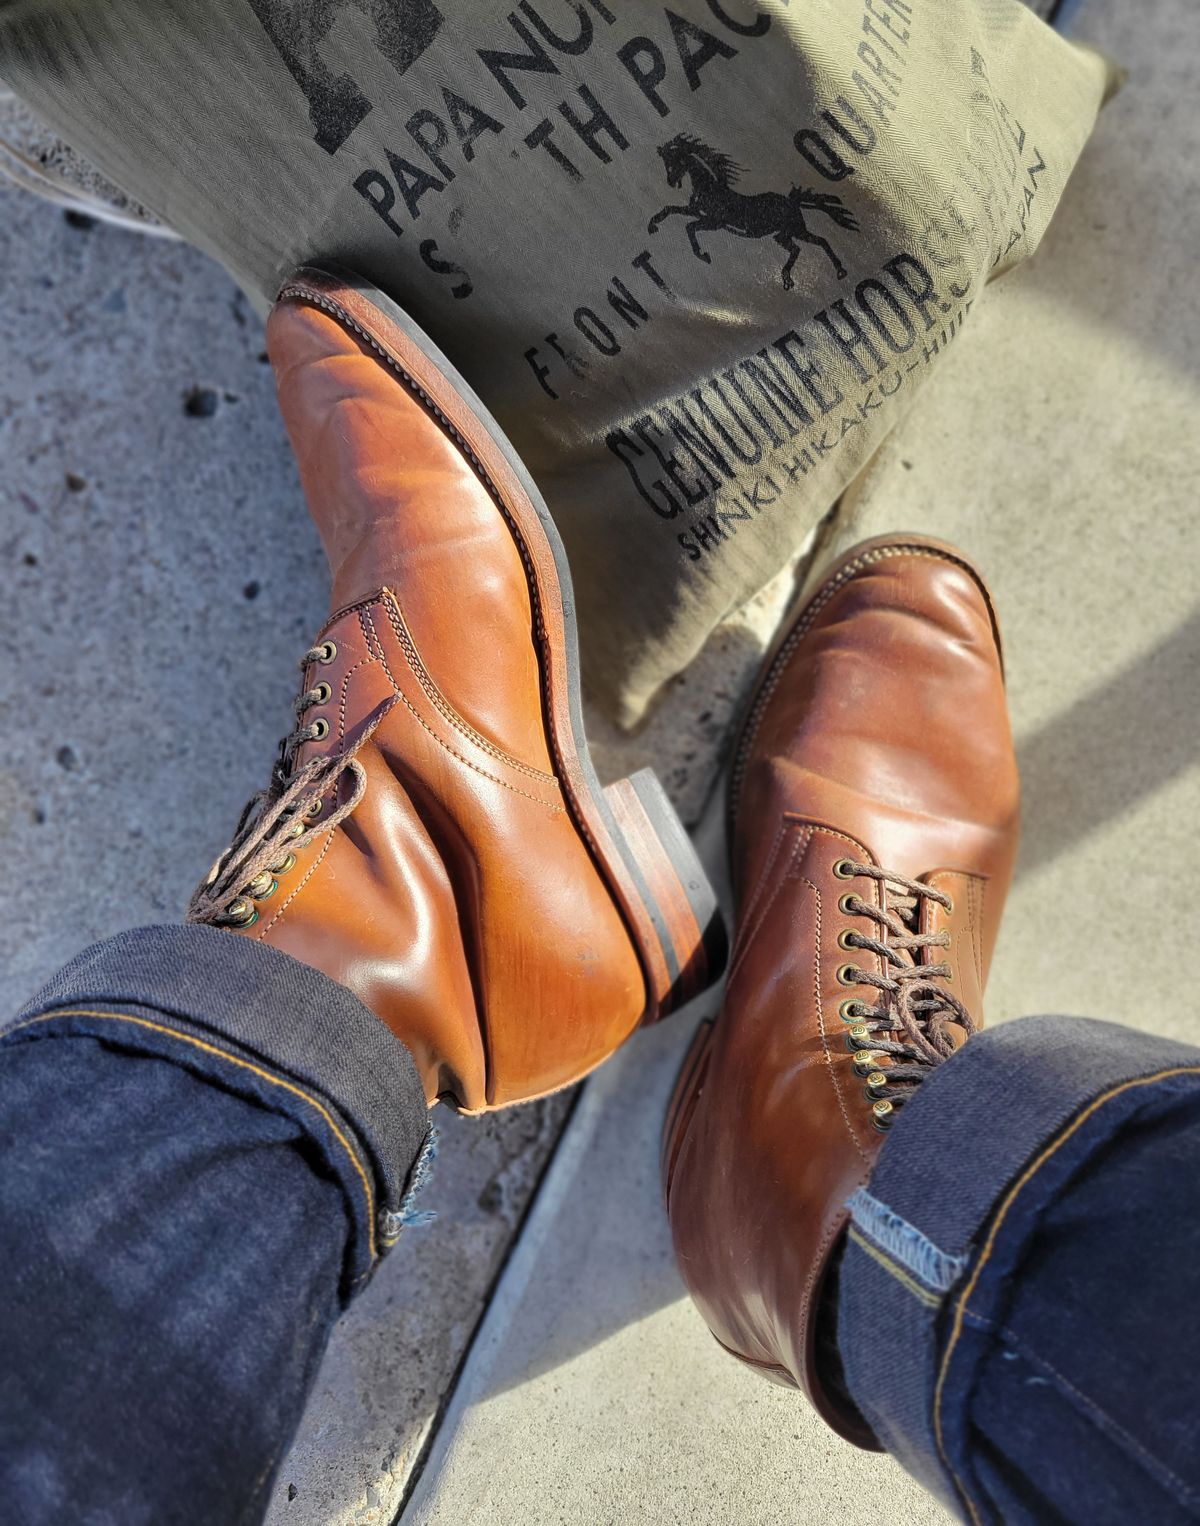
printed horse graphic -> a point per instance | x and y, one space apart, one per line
715 205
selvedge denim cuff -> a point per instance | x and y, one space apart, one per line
260 1024
989 1140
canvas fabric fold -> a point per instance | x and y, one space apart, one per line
698 258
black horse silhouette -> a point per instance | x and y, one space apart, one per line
716 206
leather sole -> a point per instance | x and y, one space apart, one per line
635 838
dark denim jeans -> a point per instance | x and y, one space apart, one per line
206 1148
209 1146
1016 1306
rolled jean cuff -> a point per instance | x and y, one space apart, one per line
991 1139
260 1024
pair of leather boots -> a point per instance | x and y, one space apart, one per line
434 837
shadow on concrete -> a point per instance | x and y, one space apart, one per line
1114 747
1115 246
595 1256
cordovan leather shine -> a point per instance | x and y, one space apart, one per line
468 899
879 733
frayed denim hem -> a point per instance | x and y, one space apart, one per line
936 1269
407 1216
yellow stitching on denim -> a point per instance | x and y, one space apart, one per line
142 1022
990 1244
931 1300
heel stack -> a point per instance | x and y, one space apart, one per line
684 947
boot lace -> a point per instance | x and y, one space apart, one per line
279 820
906 1031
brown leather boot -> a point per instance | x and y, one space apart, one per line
433 835
873 831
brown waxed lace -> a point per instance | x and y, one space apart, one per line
914 1001
273 823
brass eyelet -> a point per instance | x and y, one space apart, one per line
297 829
876 1082
848 975
320 729
322 693
328 652
315 808
844 869
850 1011
288 863
866 1061
859 1034
241 913
882 1114
949 906
263 886
845 907
844 937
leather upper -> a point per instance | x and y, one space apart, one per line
399 505
458 900
880 734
